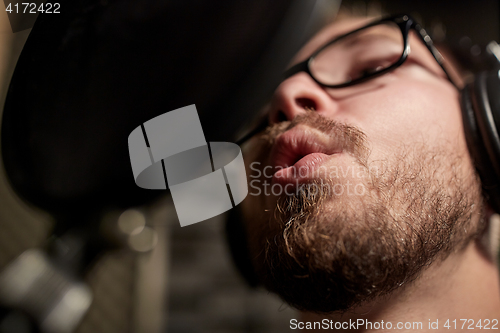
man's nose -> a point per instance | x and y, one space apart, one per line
296 95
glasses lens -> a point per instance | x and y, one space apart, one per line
359 55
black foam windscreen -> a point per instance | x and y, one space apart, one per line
88 76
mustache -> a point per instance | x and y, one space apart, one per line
348 138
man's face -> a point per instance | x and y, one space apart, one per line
364 186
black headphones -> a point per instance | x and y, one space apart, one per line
480 104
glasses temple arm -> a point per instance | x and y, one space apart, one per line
259 128
426 39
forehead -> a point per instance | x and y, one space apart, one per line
329 32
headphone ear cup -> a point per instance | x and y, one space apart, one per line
480 103
238 246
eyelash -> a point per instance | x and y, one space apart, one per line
369 68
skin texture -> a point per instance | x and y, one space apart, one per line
391 250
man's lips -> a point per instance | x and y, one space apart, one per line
299 151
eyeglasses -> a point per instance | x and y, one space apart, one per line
361 55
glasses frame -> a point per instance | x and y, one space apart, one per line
405 23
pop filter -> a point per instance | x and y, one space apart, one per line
91 74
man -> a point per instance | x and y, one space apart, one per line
363 200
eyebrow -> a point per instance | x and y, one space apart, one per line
358 38
369 39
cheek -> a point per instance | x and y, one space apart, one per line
406 113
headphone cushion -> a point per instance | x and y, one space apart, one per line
480 104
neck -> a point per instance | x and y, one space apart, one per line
464 286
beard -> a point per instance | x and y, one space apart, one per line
323 252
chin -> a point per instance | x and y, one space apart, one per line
340 242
